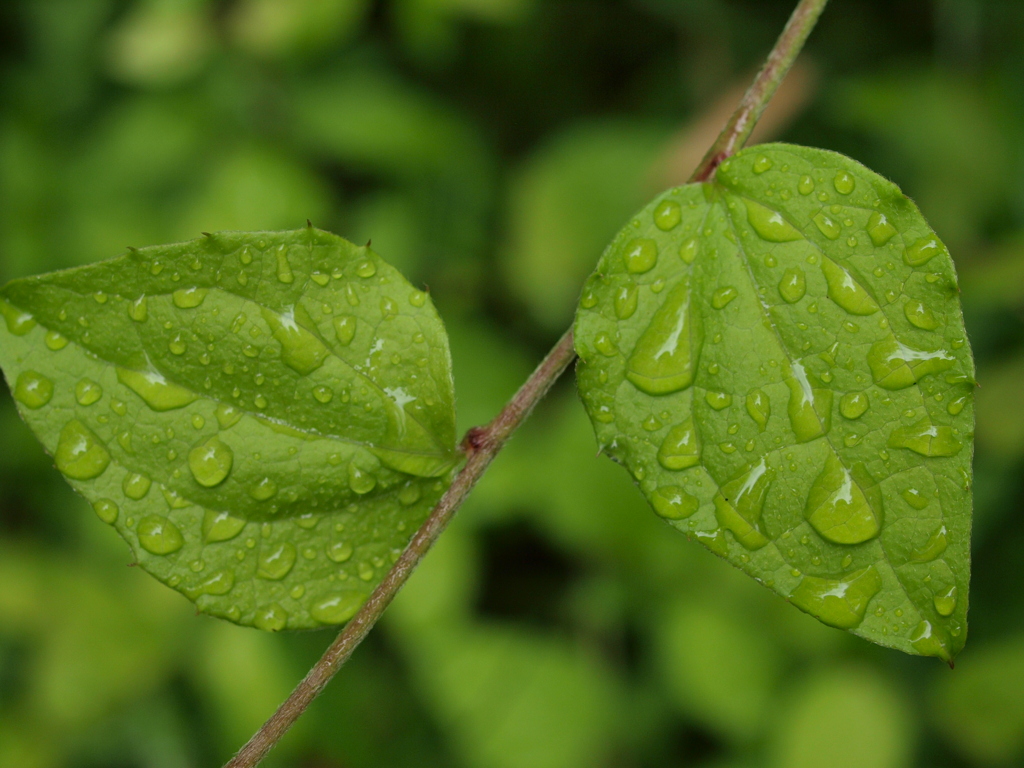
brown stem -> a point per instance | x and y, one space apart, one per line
481 445
741 124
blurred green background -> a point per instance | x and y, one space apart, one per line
490 148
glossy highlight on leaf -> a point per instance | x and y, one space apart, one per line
804 399
265 417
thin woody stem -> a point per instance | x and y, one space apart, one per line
482 444
736 132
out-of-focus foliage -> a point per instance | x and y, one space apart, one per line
559 623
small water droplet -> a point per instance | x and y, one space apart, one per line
264 489
853 405
159 536
18 323
220 526
806 185
360 480
927 642
300 349
337 608
722 296
673 503
843 182
718 400
388 307
945 603
227 415
270 618
769 224
680 448
879 229
158 393
919 315
33 390
284 269
759 408
809 409
323 394
80 455
922 250
54 341
188 298
845 291
640 255
106 510
210 462
136 486
667 215
366 269
688 250
339 551
626 300
793 285
827 226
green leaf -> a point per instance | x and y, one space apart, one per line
265 417
779 359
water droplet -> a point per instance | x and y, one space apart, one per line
641 254
220 526
339 552
136 486
626 300
323 394
54 341
853 405
845 291
33 390
806 185
680 449
841 602
827 226
366 572
106 510
759 408
270 618
673 503
410 494
159 536
769 224
217 583
18 323
718 400
722 296
227 415
810 409
842 507
667 215
276 561
264 489
739 503
793 285
688 250
210 462
879 229
151 386
927 642
956 405
300 350
80 454
945 603
366 269
88 392
762 164
388 307
320 278
603 343
922 251
664 359
188 298
284 269
926 439
919 315
895 365
338 608
843 182
359 480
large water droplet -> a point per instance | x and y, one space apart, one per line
838 504
810 409
270 618
927 641
340 552
879 229
718 400
688 250
673 503
759 407
264 489
276 561
926 439
88 392
300 350
793 285
945 603
769 224
739 503
33 390
853 405
806 185
841 602
217 583
138 310
843 182
345 329
895 365
845 291
284 269
159 536
667 215
681 448
227 415
337 608
18 323
934 547
919 315
159 394
922 251
641 255
956 405
220 526
188 298
80 454
55 341
722 296
626 300
210 462
136 485
665 358
828 226
761 164
106 510
359 480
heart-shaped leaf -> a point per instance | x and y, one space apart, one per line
265 417
779 358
